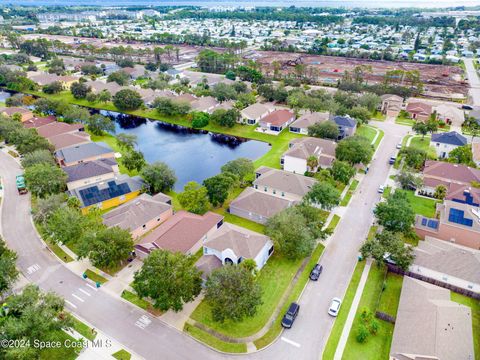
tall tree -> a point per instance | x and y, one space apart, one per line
354 150
98 124
232 293
127 99
133 160
194 198
159 177
218 187
8 269
396 214
324 194
45 179
179 283
242 167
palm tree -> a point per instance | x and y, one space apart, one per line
312 163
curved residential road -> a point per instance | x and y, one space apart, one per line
120 320
116 318
473 80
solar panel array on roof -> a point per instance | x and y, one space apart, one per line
94 195
458 217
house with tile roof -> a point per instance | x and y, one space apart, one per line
140 215
36 122
298 157
63 141
276 121
419 110
429 325
183 232
444 142
90 172
301 125
391 105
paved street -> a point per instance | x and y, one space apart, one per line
474 81
150 337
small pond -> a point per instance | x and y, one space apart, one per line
195 155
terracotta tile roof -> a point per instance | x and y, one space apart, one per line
9 111
181 232
448 172
278 117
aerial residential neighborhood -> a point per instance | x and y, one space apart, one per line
209 180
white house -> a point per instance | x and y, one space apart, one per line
297 158
254 113
232 244
446 142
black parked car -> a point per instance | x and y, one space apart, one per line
290 316
467 107
316 271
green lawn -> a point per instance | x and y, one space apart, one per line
248 224
83 329
349 194
391 294
141 303
333 223
276 328
379 139
57 250
422 206
387 191
475 305
111 141
122 355
62 353
337 329
367 132
274 279
376 347
214 341
379 116
95 277
420 143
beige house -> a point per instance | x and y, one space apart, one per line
252 114
26 114
391 105
141 214
301 125
450 114
90 172
297 158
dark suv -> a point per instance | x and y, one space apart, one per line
316 271
290 316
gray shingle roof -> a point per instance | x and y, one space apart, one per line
450 138
89 169
83 151
284 181
429 324
258 202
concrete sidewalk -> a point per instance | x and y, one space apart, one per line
123 278
353 310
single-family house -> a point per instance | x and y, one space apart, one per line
84 152
429 325
183 232
301 125
205 104
444 142
107 194
258 206
36 122
63 141
282 184
447 174
391 105
346 126
456 222
57 128
443 262
10 111
99 86
450 114
90 172
141 214
277 120
476 153
308 154
232 244
419 110
252 114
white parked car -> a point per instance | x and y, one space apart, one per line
399 146
334 307
381 189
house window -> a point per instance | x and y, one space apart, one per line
256 186
265 188
270 251
438 144
158 219
294 129
283 193
274 191
240 259
251 121
219 223
144 226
